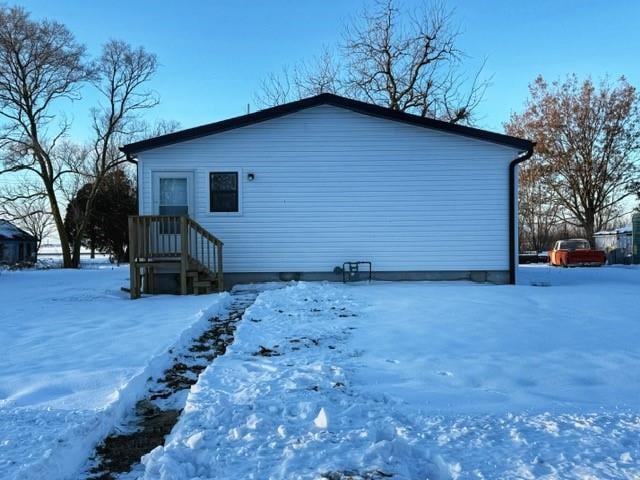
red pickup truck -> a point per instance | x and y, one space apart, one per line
575 253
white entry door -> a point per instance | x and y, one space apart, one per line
172 195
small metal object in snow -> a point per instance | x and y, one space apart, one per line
351 271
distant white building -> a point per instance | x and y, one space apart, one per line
617 243
303 187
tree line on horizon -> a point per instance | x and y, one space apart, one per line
582 174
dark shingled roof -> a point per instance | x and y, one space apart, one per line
325 99
9 232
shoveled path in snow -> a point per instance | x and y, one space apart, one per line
282 402
154 415
75 352
420 380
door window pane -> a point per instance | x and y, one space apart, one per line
173 191
174 197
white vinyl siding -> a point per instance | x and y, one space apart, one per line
332 185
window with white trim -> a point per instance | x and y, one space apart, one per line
223 192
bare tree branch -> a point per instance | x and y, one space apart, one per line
41 64
406 61
122 74
26 205
588 146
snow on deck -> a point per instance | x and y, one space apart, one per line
75 354
423 380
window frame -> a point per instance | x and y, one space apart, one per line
222 169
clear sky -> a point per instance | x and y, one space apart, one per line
213 54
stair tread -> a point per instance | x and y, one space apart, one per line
202 276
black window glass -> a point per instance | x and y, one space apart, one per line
223 187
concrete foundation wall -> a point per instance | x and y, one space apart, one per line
493 276
169 282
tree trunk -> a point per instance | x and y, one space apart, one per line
590 228
62 231
77 245
122 256
83 224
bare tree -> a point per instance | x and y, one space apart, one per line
320 75
41 64
25 205
122 73
410 62
160 127
308 78
538 212
276 89
588 141
405 61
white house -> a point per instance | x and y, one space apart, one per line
295 190
617 243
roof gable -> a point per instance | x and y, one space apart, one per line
325 99
9 232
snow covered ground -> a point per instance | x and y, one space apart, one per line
423 380
75 352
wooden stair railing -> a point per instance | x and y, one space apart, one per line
165 240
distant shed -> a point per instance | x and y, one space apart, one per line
16 245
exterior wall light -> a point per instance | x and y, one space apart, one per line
251 177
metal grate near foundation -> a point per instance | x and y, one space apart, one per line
356 271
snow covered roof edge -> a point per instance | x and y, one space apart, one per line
8 231
617 231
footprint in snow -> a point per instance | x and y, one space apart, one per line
392 361
445 373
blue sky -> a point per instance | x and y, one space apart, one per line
214 54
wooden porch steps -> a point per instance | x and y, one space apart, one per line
173 244
204 286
